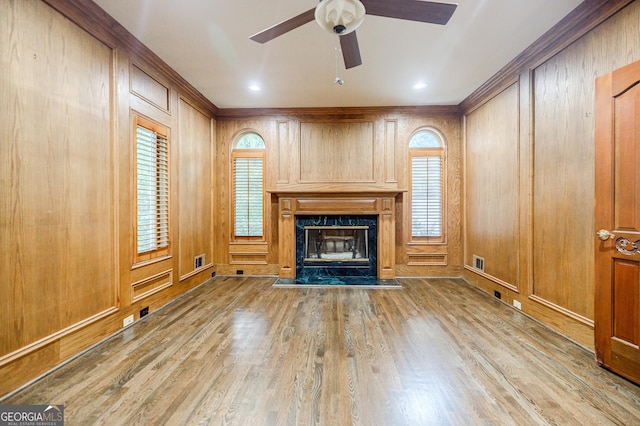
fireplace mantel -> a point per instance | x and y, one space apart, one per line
346 202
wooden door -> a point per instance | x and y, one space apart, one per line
617 222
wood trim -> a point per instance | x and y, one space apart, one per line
157 277
342 190
604 213
166 108
348 113
564 311
512 83
25 350
148 262
579 22
336 205
390 144
427 259
196 271
243 258
164 131
93 19
493 279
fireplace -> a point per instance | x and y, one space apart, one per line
336 246
341 213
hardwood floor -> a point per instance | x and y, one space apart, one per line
238 351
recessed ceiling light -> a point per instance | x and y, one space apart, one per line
254 88
420 85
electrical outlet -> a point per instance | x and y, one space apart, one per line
239 272
517 304
497 294
213 274
144 311
127 321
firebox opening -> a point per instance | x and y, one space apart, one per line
331 244
336 246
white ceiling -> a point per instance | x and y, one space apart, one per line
207 42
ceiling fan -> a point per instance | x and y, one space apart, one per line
342 17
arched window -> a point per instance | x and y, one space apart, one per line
426 154
247 158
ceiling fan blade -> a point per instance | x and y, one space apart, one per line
412 10
284 27
350 50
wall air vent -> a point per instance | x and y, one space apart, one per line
478 262
198 261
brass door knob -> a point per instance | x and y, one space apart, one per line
605 235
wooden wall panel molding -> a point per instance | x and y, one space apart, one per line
248 254
427 259
247 258
390 143
492 187
348 113
102 26
337 152
151 285
284 151
150 89
563 157
345 205
195 182
59 226
54 337
584 320
493 279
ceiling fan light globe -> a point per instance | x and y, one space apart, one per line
347 14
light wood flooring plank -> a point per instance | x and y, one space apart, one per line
237 351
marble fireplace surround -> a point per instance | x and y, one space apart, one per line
380 204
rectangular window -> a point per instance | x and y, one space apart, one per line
152 190
248 196
426 197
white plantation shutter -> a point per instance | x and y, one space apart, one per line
248 197
426 196
152 178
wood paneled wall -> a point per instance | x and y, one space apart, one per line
57 191
195 188
71 86
536 230
492 134
337 152
345 150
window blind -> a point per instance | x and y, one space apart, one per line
248 197
152 177
426 196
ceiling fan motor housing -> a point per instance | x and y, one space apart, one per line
340 16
